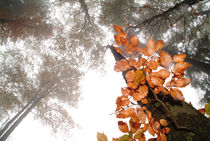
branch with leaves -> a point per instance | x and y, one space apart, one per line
150 74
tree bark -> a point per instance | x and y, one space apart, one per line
186 123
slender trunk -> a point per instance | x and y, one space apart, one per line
20 118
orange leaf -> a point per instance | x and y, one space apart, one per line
130 76
132 85
166 130
163 122
150 46
132 62
126 113
149 114
126 91
121 65
151 131
176 94
134 125
165 59
118 28
179 58
179 68
141 116
144 101
182 82
148 78
123 127
140 93
163 73
120 39
163 137
141 62
134 41
156 126
122 101
153 64
159 45
157 81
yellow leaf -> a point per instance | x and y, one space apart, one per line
101 137
207 108
139 76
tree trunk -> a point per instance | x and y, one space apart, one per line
186 123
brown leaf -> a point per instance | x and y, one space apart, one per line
118 28
134 125
120 39
148 78
179 58
157 81
141 116
165 59
166 130
130 76
132 62
153 64
123 127
179 68
163 122
202 111
121 65
176 94
141 62
140 93
126 92
132 85
163 73
134 41
163 137
159 45
182 82
126 113
144 101
151 131
122 101
150 46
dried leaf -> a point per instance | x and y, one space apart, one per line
134 125
120 39
163 137
157 81
176 94
166 130
134 41
118 28
163 73
144 101
150 46
148 78
140 93
159 45
165 59
126 113
132 85
130 76
202 111
122 101
123 127
151 131
141 62
121 65
101 137
179 58
179 68
132 62
163 122
182 82
141 116
126 92
153 64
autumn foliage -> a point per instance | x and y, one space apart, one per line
149 71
